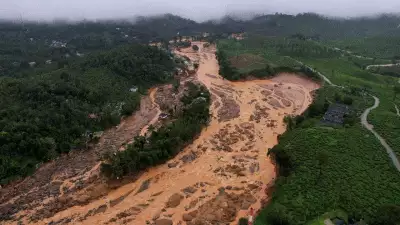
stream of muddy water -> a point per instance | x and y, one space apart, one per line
224 172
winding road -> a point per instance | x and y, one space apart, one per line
319 73
364 117
382 65
397 109
370 127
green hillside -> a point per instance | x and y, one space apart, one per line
48 113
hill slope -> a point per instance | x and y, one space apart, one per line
49 113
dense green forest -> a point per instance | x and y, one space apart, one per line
27 42
166 141
59 42
50 113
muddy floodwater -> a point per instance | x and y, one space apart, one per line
224 172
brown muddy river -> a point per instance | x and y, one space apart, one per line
224 172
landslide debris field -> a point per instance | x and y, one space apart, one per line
218 177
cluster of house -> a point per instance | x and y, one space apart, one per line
335 114
124 35
238 36
205 34
47 62
58 44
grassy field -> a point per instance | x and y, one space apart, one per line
271 50
355 173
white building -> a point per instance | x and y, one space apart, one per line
58 44
133 89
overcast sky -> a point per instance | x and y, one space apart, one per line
197 10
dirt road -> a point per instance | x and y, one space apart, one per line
152 93
382 65
326 79
370 127
223 173
397 110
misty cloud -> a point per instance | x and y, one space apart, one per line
197 10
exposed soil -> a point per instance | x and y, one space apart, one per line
217 178
247 60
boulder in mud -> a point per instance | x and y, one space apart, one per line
189 190
100 209
245 205
252 186
145 185
193 203
157 194
163 222
172 165
193 213
189 157
174 200
186 217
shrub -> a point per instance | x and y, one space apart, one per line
348 100
387 215
243 221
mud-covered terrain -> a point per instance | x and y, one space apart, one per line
217 178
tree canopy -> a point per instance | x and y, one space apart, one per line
51 113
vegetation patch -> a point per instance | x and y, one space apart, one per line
263 57
245 61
